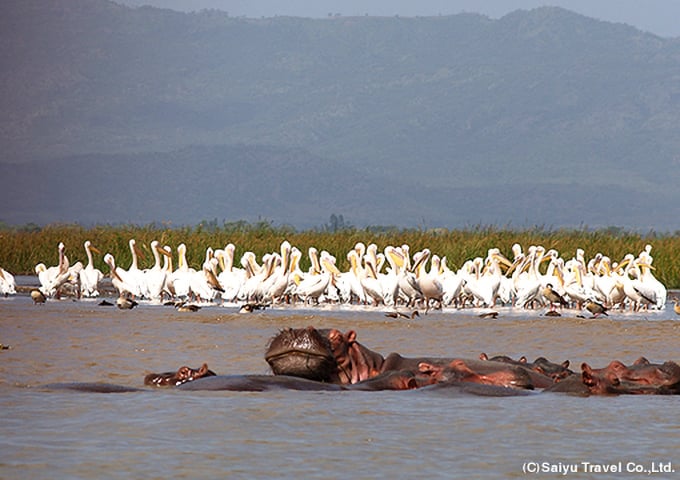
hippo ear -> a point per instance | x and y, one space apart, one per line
203 370
587 375
483 356
641 361
565 364
351 336
523 359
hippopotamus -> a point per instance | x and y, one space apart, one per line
302 352
324 355
182 375
548 372
487 373
642 377
262 383
334 357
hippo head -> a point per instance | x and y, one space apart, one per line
642 377
488 373
325 355
301 352
556 371
182 375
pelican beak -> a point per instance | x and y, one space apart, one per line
163 251
502 259
330 267
95 249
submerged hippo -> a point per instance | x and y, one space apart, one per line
543 372
642 377
183 375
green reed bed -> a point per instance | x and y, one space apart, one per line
22 248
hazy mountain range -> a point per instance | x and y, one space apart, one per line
544 117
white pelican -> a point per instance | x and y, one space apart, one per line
204 284
56 277
428 281
154 277
528 284
253 285
8 285
313 286
368 277
231 279
278 280
181 277
134 276
90 276
120 277
452 283
48 275
637 292
649 280
348 283
409 289
169 285
390 280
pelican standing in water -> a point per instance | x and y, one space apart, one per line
89 275
8 285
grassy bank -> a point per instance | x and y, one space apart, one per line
22 248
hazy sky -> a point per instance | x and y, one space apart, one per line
661 17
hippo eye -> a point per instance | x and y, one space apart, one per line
615 381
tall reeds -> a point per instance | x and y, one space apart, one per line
21 249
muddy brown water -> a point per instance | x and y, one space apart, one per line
177 434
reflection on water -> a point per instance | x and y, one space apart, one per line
162 434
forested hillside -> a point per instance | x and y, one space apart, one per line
543 117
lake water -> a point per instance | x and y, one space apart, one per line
286 434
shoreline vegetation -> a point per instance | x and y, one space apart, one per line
23 247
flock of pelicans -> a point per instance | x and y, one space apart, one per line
535 278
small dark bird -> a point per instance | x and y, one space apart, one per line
125 303
187 307
553 297
553 313
396 314
596 308
676 307
38 296
493 314
251 307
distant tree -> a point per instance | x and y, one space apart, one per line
337 223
